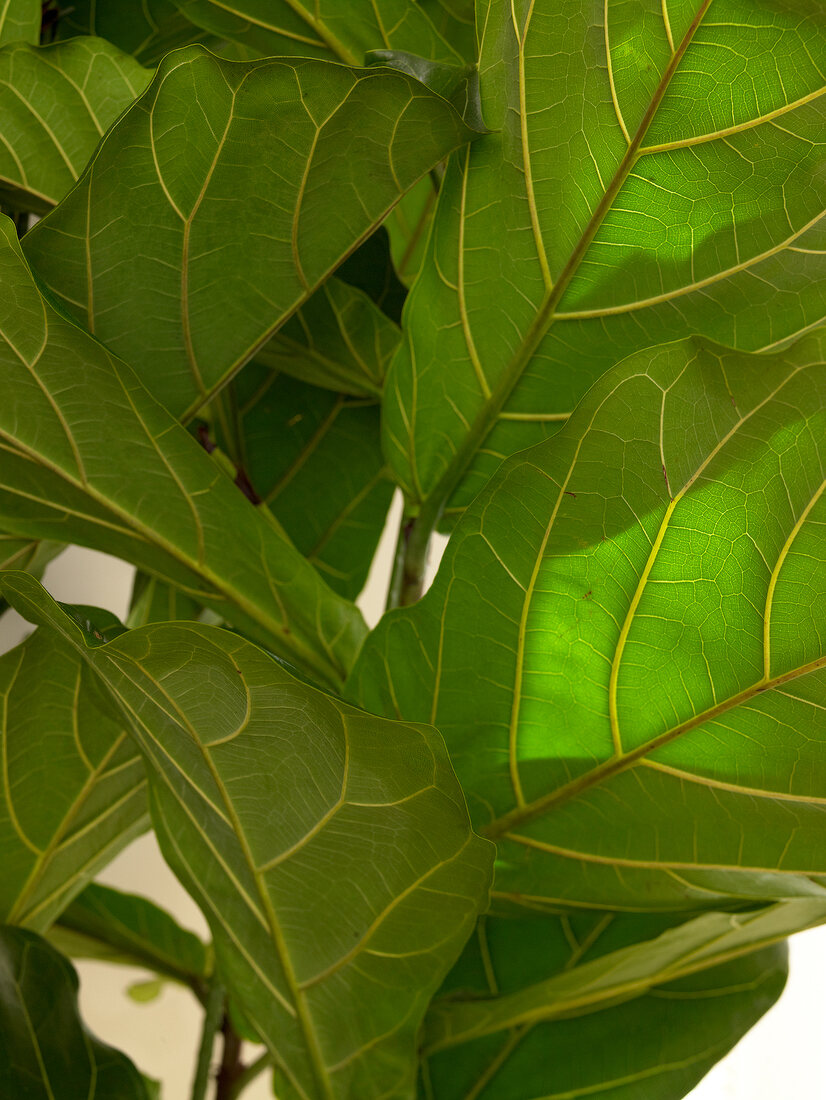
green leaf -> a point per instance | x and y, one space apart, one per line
215 245
339 340
45 1051
657 1045
73 789
110 926
296 443
70 472
148 29
408 225
30 554
153 601
370 268
340 29
19 21
624 629
56 103
144 993
656 171
330 850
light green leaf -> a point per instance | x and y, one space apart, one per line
144 993
339 339
56 102
153 601
77 460
343 30
148 29
330 850
73 789
229 230
110 926
45 1051
409 225
19 21
296 443
657 1045
657 170
625 629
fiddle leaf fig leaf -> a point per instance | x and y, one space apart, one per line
296 443
60 738
20 21
45 1051
655 171
342 30
646 649
147 29
56 103
330 850
77 461
231 229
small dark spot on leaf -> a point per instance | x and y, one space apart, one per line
568 493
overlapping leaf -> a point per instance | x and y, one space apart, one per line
148 29
72 787
623 646
45 1051
239 187
296 443
19 21
656 170
97 461
343 30
330 850
56 102
530 1010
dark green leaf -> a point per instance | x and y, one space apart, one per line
77 461
45 1051
622 647
330 850
370 268
56 102
146 28
153 601
20 21
230 230
657 171
73 790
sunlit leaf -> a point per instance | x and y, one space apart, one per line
56 102
330 850
656 170
230 229
72 791
623 646
77 460
45 1051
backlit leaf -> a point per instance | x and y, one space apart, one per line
19 21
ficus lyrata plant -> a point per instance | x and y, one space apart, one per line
553 271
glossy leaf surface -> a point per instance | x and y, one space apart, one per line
278 806
19 21
56 103
148 29
73 789
76 463
111 926
230 230
342 30
625 630
296 443
45 1051
656 170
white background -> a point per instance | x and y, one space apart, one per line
780 1059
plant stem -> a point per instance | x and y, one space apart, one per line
247 1075
410 561
213 1015
231 1069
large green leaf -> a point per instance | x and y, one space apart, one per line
224 176
656 170
330 850
99 462
296 443
656 1045
45 1051
623 646
19 21
341 29
145 28
56 102
72 787
110 926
